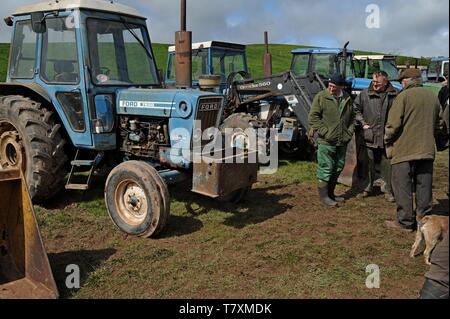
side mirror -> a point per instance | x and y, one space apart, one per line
9 21
38 22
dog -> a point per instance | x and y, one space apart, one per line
431 229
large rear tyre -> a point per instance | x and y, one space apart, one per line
30 140
137 199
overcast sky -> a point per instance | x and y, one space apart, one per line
408 27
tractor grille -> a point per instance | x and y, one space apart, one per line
208 113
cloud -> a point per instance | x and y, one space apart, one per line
410 27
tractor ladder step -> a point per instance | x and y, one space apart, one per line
80 163
77 175
77 187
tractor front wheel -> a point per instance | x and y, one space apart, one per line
137 199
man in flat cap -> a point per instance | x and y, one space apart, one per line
411 128
332 117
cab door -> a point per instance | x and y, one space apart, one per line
61 74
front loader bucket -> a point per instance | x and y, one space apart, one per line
24 267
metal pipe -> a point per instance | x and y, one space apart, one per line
266 41
183 52
267 58
183 15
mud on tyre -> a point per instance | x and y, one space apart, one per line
137 199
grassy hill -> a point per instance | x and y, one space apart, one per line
281 57
4 55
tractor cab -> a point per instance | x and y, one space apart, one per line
366 65
211 58
322 61
438 69
78 54
314 66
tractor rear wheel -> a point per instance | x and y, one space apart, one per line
30 140
137 199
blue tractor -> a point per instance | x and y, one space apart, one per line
358 68
438 69
364 66
211 58
83 86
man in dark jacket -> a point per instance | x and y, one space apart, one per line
371 109
332 117
411 128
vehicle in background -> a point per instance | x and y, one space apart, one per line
321 61
437 69
212 58
422 68
366 65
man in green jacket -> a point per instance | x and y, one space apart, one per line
332 117
411 128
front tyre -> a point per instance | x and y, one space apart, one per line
137 199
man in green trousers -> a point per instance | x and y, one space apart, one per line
333 118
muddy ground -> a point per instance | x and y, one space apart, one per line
279 243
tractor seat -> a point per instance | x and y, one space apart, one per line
64 72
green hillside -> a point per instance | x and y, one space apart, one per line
281 57
4 55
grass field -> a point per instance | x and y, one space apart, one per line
279 243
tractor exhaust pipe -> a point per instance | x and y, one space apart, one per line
183 53
344 60
267 59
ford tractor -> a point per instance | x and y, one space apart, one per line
83 93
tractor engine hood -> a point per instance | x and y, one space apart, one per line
160 102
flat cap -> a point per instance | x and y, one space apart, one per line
338 79
409 74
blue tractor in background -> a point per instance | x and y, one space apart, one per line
358 68
83 86
283 101
364 66
438 69
210 59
